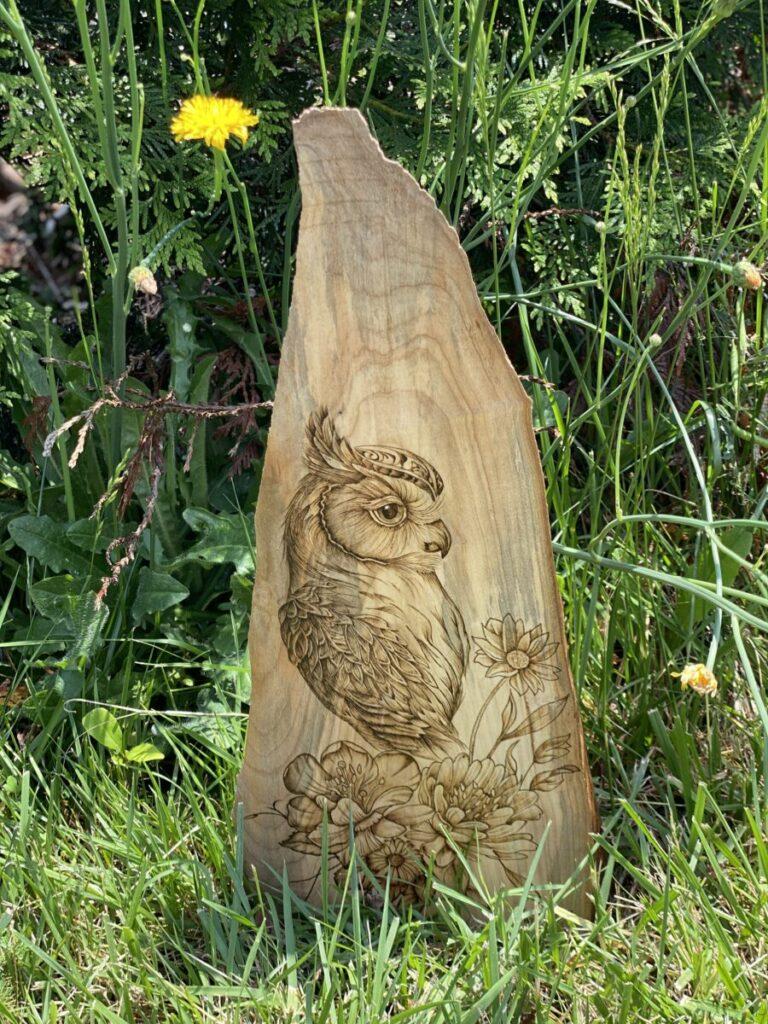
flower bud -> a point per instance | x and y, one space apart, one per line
747 275
143 280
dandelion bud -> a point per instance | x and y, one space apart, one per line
143 280
600 227
655 340
698 678
747 275
351 17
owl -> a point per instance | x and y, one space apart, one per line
367 622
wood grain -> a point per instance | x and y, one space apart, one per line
407 644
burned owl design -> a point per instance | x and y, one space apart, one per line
367 622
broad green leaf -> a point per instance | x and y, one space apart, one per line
94 535
224 539
142 753
46 540
215 723
156 592
198 394
58 597
181 321
102 725
13 476
89 621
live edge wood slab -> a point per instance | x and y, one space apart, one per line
407 643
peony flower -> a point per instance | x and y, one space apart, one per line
698 678
349 784
212 119
523 656
481 808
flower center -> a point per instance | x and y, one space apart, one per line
518 660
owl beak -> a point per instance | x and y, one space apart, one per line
439 538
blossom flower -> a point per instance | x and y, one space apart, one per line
523 656
349 784
698 678
480 806
212 119
395 857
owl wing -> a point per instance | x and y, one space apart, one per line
358 666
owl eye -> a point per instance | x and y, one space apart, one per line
390 513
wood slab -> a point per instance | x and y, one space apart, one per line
407 644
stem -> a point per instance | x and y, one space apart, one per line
260 357
253 245
58 419
115 175
321 55
376 54
36 66
483 709
161 51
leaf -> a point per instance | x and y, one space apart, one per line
13 476
94 534
102 725
46 540
215 723
690 610
57 597
510 764
156 592
142 753
70 604
181 321
89 620
545 781
539 719
552 749
224 539
198 394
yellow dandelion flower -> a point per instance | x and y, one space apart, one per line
698 678
212 119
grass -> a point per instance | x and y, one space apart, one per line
605 195
124 900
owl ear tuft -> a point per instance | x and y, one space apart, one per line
326 452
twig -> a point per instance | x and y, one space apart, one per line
563 211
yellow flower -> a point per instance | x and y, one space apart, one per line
698 678
212 119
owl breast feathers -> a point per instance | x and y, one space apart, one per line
397 691
366 621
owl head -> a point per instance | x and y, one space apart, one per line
377 504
